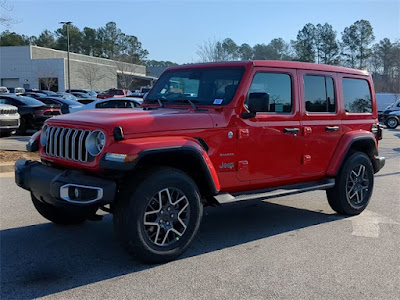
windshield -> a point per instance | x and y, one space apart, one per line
203 86
29 101
115 92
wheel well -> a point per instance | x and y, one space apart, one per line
366 146
184 160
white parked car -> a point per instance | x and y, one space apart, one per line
123 102
9 119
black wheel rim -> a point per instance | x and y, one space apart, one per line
357 186
166 217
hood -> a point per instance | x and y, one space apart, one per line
135 121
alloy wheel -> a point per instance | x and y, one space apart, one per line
166 217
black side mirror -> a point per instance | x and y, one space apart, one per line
258 102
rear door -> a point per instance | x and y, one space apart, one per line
320 120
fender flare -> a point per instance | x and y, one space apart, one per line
344 146
144 147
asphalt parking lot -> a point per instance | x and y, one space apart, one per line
293 247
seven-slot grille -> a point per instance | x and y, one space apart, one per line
8 111
67 143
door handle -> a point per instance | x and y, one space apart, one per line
331 128
291 130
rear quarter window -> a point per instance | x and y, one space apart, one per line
357 95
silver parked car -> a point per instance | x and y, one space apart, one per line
9 119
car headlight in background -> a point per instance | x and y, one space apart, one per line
44 135
95 142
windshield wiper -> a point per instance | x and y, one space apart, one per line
191 102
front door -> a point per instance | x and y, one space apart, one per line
269 144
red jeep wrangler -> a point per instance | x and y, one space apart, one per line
206 134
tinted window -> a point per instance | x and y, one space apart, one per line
115 92
279 88
357 96
204 86
319 94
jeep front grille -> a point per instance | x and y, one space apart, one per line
67 143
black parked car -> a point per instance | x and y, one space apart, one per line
33 112
35 95
89 92
66 105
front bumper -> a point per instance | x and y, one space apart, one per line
379 162
69 189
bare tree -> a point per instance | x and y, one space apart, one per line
47 76
126 72
91 74
5 19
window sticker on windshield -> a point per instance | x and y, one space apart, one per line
218 101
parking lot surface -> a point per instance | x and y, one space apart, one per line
292 247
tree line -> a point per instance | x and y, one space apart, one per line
320 44
314 43
106 42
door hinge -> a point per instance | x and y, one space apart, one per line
243 133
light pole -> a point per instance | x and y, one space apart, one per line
69 73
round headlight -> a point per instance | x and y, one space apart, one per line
95 142
44 135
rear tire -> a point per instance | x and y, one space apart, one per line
157 218
54 214
354 185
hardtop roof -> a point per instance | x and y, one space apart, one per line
276 64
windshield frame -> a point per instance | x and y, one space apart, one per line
234 74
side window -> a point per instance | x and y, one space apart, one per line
279 88
357 96
319 94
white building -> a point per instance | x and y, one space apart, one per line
33 67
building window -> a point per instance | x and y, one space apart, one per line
49 84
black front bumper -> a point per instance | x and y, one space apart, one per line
57 187
378 163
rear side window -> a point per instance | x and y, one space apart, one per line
319 94
357 96
279 88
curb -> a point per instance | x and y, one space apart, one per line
6 167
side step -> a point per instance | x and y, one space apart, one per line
276 192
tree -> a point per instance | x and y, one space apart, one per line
305 44
75 38
91 74
47 75
245 52
156 63
126 74
46 39
8 38
90 44
217 50
5 19
326 45
356 41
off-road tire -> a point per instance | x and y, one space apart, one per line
54 214
343 197
133 203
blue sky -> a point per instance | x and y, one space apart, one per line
172 30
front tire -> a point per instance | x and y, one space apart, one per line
54 214
354 185
392 122
158 217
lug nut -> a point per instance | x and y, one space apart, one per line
169 208
167 223
161 221
172 215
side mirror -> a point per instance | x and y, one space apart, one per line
258 102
